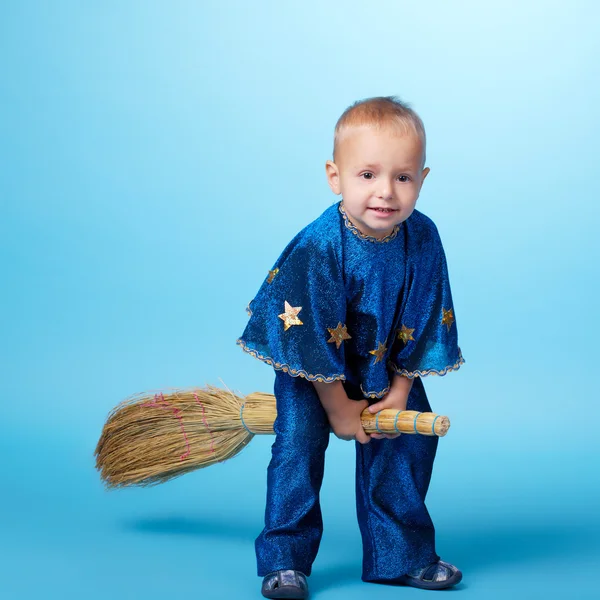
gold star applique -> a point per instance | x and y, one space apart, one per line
272 274
379 352
290 316
405 334
448 318
338 335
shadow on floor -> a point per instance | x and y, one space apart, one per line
471 547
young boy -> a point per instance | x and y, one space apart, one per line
355 311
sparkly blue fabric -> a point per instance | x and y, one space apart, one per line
378 289
338 275
392 479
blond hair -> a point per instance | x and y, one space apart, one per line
380 111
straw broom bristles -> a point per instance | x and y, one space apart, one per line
151 438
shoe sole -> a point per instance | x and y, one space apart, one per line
286 591
433 585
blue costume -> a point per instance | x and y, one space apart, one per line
342 305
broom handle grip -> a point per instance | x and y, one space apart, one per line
405 421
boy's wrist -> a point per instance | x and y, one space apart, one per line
339 411
401 383
333 398
399 392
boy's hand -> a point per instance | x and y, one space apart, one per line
396 399
347 425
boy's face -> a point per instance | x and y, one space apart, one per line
377 169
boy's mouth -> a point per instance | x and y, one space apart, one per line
382 210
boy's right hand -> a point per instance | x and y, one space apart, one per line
347 425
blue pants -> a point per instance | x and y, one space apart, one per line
392 478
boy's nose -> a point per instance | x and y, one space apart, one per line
385 191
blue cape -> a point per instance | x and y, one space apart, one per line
341 305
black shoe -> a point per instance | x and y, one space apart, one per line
285 583
436 576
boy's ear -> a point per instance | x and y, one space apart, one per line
424 174
333 176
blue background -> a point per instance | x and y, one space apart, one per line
155 160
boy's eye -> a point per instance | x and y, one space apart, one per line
368 175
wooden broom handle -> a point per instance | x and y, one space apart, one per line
258 414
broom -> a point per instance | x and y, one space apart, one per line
149 439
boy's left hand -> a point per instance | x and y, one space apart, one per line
395 399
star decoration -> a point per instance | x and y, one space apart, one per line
405 334
290 316
272 274
379 352
448 317
338 335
